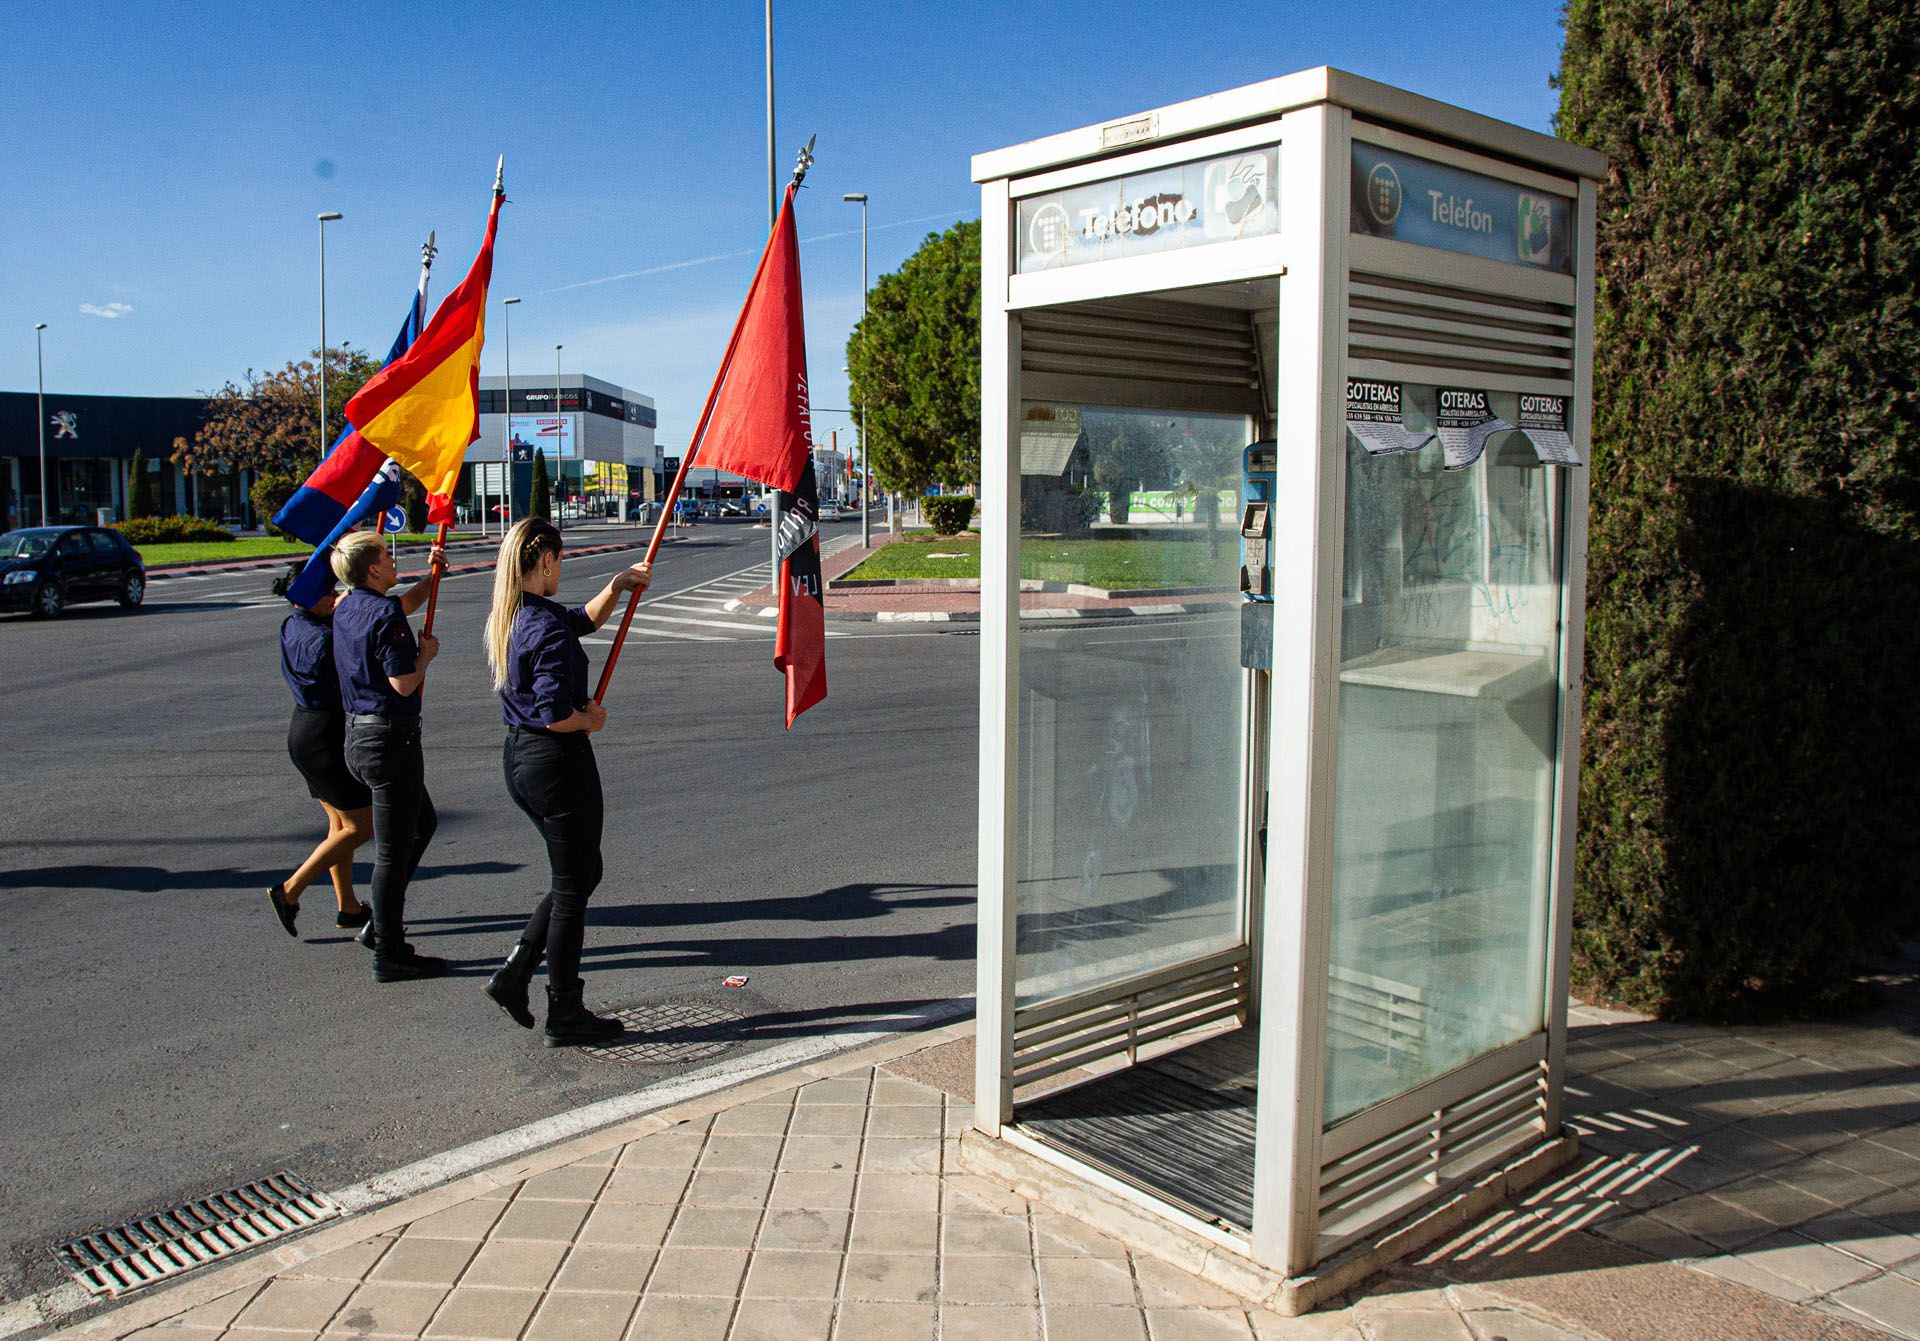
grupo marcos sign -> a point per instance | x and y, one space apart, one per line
1190 204
1430 204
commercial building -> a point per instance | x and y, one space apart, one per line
91 442
598 439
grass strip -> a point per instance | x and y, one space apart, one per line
1113 564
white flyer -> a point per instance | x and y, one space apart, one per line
1464 422
1373 416
1544 420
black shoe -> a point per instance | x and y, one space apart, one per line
406 966
285 911
366 937
349 921
571 1025
507 988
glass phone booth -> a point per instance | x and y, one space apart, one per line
1292 382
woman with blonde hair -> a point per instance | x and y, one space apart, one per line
381 667
540 672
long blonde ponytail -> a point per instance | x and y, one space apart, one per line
520 552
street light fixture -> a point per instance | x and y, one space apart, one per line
40 404
559 447
331 216
506 440
866 534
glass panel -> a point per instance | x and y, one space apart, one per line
1448 709
1130 729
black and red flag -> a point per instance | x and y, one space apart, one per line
762 429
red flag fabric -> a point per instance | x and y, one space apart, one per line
761 425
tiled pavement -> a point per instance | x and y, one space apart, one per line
1761 1184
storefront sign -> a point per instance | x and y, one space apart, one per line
1430 204
1373 416
1544 420
1464 422
1190 204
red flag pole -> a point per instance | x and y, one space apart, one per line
679 478
433 585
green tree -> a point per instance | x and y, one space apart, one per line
1130 451
270 421
540 495
140 499
914 362
1748 785
271 489
413 501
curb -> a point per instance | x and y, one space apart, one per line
746 607
383 1204
241 566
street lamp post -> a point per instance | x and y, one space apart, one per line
559 447
866 533
329 217
40 408
506 450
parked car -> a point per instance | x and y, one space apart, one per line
45 569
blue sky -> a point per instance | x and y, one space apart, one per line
164 163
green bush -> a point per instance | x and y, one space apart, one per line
540 493
172 530
947 514
1059 512
270 492
140 501
1748 787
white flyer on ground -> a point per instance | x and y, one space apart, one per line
1544 420
1464 422
1373 416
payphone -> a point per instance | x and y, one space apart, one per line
1256 556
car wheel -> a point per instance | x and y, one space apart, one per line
133 590
48 600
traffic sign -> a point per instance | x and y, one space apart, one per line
396 519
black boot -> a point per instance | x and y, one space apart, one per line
366 937
507 988
282 909
570 1024
401 964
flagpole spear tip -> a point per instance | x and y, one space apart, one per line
500 176
428 251
806 161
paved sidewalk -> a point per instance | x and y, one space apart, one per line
1734 1184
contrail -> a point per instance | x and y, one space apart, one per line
733 255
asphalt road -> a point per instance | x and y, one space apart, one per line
163 1039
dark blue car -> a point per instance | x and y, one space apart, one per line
44 569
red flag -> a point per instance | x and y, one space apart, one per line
761 428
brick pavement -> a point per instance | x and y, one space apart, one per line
1761 1183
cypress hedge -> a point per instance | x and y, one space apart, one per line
540 493
1751 746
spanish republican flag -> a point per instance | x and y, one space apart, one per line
423 409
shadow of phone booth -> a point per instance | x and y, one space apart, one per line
1275 872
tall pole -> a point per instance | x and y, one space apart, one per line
325 219
866 531
773 215
40 410
559 447
506 450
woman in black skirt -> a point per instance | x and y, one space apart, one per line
540 672
316 741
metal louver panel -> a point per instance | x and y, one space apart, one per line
1433 1151
1391 319
1134 341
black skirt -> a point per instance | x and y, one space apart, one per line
316 742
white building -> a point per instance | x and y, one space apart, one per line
598 439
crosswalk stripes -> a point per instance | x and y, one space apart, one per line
699 613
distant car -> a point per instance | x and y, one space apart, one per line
730 507
829 510
44 569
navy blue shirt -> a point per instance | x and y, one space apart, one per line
306 660
546 666
371 641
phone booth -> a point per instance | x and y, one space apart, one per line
1276 871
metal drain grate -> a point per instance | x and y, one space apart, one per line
664 1033
154 1247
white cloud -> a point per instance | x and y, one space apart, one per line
112 311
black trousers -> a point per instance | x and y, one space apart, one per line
385 754
556 782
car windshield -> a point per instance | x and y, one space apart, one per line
26 544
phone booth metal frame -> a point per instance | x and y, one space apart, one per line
1329 1198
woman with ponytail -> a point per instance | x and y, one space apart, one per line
540 672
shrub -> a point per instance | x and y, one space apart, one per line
947 514
270 492
172 530
140 501
540 494
1059 511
